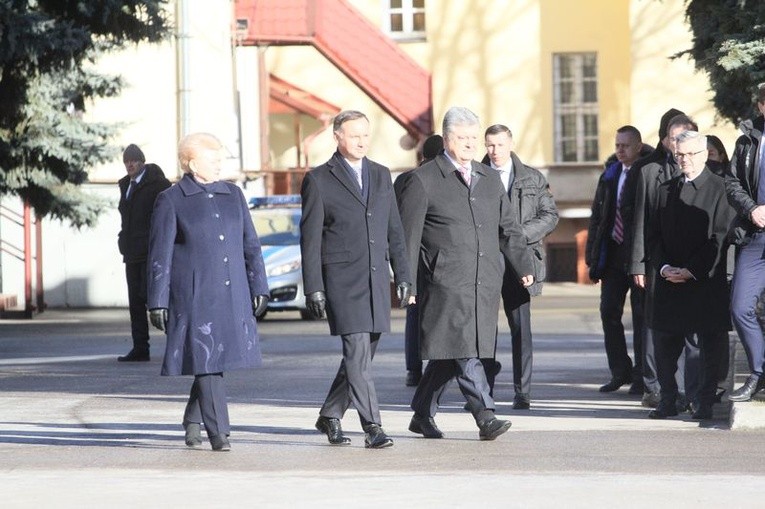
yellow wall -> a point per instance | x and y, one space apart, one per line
581 26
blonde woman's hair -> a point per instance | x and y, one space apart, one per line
192 144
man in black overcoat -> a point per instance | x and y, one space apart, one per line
138 192
458 223
640 202
350 231
686 245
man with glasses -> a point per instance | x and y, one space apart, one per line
687 260
659 167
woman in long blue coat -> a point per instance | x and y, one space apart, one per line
206 279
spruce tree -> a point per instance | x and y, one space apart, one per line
48 49
729 45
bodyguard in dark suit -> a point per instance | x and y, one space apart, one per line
535 208
206 283
458 223
606 255
138 191
350 231
686 242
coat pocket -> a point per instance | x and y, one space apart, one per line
336 257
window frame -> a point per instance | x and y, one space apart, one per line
581 110
407 11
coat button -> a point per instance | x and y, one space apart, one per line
371 241
480 253
227 282
221 237
210 195
369 214
217 215
472 198
479 282
225 259
374 269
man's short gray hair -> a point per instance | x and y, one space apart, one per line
684 136
457 115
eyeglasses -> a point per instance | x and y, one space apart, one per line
679 156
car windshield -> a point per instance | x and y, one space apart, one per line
277 227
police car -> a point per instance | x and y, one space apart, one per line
277 221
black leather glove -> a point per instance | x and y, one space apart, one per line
594 275
403 292
259 305
316 303
158 318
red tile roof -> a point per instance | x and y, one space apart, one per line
358 48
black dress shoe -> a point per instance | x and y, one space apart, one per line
491 429
331 427
614 384
521 402
425 426
220 443
413 378
752 386
376 437
135 355
193 434
662 412
702 413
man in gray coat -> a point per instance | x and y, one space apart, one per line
350 230
458 223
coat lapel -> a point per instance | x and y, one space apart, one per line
337 168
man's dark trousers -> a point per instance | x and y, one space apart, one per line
470 378
614 285
517 303
669 347
135 274
747 301
353 383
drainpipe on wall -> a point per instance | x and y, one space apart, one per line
183 88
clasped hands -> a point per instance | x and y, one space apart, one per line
158 316
675 274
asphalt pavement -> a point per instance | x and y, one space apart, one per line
77 429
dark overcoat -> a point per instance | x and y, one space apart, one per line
639 203
537 213
205 266
689 231
456 237
347 241
135 213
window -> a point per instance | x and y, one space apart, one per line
575 96
405 18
